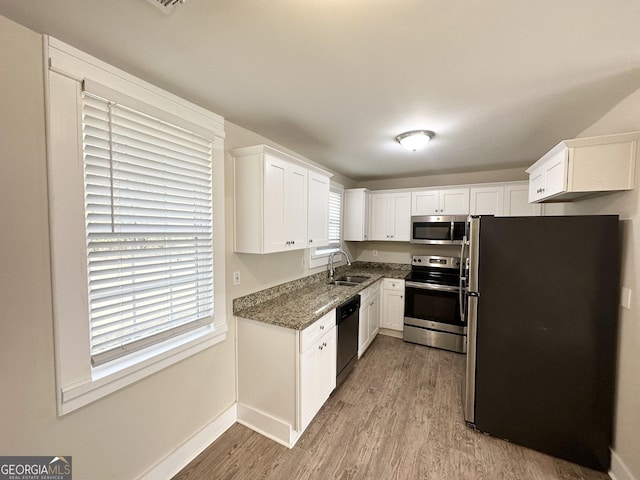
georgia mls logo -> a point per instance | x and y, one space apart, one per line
35 468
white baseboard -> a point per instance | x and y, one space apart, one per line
619 470
390 333
183 454
268 426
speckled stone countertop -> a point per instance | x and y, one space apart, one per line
298 304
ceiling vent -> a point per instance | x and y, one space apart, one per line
167 6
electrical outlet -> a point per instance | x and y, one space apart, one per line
236 278
625 298
375 253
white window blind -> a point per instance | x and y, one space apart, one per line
148 205
335 225
335 215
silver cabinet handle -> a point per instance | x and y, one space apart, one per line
321 327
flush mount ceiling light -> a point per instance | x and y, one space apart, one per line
415 139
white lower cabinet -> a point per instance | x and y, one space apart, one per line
369 317
392 304
317 374
284 375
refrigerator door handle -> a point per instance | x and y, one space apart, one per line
461 292
470 378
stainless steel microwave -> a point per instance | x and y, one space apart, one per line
438 229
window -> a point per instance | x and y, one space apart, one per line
319 256
148 200
136 206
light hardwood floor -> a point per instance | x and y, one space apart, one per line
397 416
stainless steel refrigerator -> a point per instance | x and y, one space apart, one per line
542 306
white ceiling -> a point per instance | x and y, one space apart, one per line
499 81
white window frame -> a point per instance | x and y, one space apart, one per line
319 256
77 382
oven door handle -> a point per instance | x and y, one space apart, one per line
431 286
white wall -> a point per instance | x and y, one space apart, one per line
625 117
509 175
125 433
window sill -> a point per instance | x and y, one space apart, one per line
319 260
124 371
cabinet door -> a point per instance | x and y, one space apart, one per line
318 211
374 317
296 207
516 202
555 174
426 202
454 201
486 200
536 184
356 215
363 328
380 213
401 217
393 310
309 387
275 204
327 366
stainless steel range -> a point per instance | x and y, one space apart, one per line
432 308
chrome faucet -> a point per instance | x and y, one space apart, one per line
332 270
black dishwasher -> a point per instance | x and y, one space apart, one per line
347 319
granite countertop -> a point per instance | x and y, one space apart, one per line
303 302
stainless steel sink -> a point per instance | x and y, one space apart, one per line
349 281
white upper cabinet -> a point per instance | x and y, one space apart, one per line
506 199
584 166
445 201
285 206
271 201
516 201
318 210
356 215
486 200
391 216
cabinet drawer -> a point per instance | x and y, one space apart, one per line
369 292
393 284
313 332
